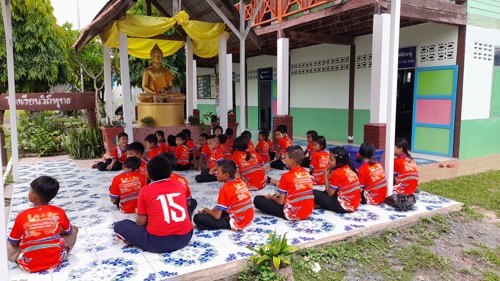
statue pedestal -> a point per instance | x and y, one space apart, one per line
164 114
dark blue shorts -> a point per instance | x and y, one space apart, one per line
138 236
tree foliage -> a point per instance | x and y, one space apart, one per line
40 59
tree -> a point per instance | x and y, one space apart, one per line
40 59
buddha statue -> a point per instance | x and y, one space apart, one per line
157 81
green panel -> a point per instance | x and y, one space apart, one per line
330 123
252 116
482 21
495 95
274 89
435 82
432 139
485 8
479 138
206 108
361 117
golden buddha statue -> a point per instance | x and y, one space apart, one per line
157 81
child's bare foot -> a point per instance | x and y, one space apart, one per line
94 166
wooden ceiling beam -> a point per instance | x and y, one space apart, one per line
252 36
319 38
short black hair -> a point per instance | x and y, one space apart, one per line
122 134
181 136
222 138
229 132
159 168
187 132
246 134
46 187
204 135
160 133
281 128
241 143
213 137
321 141
136 147
218 127
228 167
132 162
312 133
151 138
264 134
296 153
171 158
171 140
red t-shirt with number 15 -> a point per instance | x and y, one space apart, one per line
164 202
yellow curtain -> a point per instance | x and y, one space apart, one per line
205 35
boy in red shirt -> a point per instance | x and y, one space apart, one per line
162 223
204 152
171 145
319 162
182 153
118 156
262 147
136 149
226 153
294 199
342 193
284 141
207 175
152 144
42 236
234 208
125 187
191 203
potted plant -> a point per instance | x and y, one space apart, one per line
109 132
147 121
277 253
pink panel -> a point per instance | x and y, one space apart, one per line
434 111
274 108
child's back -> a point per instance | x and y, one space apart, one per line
125 187
263 149
298 187
235 199
346 182
373 183
251 169
319 164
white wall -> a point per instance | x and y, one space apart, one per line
478 72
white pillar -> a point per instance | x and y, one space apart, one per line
223 76
391 97
7 23
108 91
243 73
190 89
283 71
380 68
125 78
229 96
194 82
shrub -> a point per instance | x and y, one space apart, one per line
39 132
85 143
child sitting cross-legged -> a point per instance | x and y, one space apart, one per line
118 156
284 141
319 162
125 187
207 175
152 145
204 152
136 149
42 236
182 153
294 199
249 165
234 208
163 223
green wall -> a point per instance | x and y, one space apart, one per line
484 13
252 116
479 138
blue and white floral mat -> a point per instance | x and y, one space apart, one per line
98 255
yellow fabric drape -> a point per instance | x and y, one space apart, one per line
205 35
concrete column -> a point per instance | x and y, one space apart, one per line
190 89
283 75
125 78
229 62
223 83
108 91
194 83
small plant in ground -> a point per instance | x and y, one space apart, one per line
277 251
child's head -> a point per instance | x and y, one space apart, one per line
213 142
187 132
241 143
159 168
294 155
171 158
160 135
151 141
319 143
247 135
339 156
203 138
43 189
280 131
263 135
135 149
171 140
226 170
311 135
222 138
217 130
122 139
401 146
132 163
229 132
180 139
367 150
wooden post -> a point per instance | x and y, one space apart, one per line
2 140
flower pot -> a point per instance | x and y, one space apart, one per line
109 135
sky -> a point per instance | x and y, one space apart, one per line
66 11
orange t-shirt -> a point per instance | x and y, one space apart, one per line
373 183
251 170
270 145
143 170
230 144
38 232
190 144
215 157
346 183
251 146
311 150
162 146
297 186
119 154
153 153
174 176
125 187
171 149
226 154
283 143
263 149
319 164
182 154
406 171
235 199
